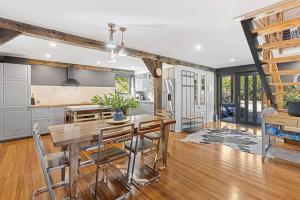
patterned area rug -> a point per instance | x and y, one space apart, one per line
236 139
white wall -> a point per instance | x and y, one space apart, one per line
209 94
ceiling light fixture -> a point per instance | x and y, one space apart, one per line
198 47
122 51
98 62
112 58
52 44
47 55
111 29
232 60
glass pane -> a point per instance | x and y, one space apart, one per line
259 96
227 107
227 96
250 98
242 98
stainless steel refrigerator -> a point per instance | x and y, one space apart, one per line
168 98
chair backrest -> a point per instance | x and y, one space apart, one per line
163 114
150 126
41 153
116 134
37 138
106 115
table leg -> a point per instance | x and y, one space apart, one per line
165 140
73 169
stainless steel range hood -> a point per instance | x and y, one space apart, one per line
71 81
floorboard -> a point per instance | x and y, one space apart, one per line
195 172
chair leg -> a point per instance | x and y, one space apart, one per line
133 164
63 174
96 184
128 167
156 156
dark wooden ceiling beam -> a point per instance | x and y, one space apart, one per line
7 35
53 35
157 82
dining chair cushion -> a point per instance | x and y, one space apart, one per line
54 160
143 144
153 135
108 155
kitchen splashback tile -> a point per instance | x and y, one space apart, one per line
67 94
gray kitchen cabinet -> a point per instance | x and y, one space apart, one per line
15 123
14 101
15 93
15 71
47 116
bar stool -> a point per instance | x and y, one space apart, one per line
49 162
141 144
104 157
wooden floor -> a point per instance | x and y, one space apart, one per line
195 171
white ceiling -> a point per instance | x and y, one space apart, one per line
34 48
166 27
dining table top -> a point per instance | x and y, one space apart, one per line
67 134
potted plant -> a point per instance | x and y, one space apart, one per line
116 102
293 102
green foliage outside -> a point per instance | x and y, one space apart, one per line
226 89
122 84
293 94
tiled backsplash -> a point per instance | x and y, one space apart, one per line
67 94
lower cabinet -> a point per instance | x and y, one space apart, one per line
48 116
15 123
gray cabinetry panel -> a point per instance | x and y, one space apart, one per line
48 116
1 124
15 71
15 123
15 93
14 101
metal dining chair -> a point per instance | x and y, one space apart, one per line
104 157
141 144
49 162
157 135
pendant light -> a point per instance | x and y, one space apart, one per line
122 51
111 29
112 58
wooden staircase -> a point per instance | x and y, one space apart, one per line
268 34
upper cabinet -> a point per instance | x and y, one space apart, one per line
15 71
15 85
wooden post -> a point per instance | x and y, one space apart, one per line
157 82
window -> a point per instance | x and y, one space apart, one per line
122 84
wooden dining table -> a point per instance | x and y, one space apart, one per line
72 137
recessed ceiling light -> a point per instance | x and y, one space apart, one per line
52 44
98 62
198 47
47 55
232 60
